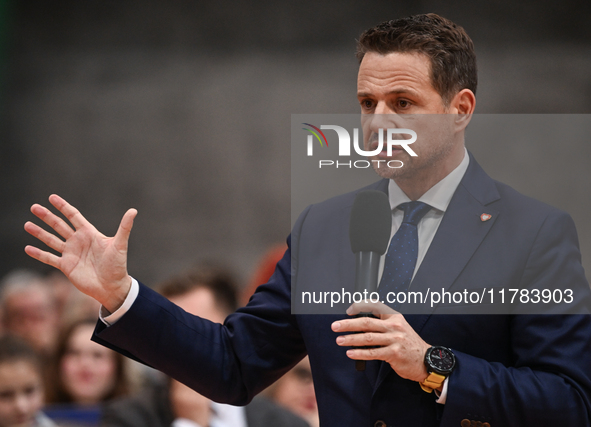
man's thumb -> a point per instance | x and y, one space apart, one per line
122 236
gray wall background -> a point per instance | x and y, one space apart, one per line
182 110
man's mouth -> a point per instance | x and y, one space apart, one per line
396 149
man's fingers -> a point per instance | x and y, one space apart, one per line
361 324
49 239
375 308
122 236
44 257
69 211
363 340
379 353
54 221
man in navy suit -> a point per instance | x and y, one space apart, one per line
496 370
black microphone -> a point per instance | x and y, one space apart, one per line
369 233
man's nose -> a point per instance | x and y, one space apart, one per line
383 118
383 108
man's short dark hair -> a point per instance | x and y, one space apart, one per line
448 47
214 278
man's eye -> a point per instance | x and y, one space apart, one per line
403 103
367 104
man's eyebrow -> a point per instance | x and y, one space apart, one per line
401 91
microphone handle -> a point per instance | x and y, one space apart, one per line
366 271
366 279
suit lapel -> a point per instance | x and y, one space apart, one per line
460 233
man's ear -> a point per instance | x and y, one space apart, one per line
463 105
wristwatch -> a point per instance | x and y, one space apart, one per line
440 362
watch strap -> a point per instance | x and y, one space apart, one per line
432 382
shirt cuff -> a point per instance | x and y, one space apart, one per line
183 422
443 396
110 318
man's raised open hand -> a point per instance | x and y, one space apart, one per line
94 263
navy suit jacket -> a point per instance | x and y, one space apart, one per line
512 370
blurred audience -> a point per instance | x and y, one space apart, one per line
29 310
210 294
295 390
21 386
71 303
83 372
86 381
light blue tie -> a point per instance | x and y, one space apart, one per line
401 259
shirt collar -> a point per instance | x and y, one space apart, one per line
437 196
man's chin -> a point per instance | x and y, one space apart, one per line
390 167
387 172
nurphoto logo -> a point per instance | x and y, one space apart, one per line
393 138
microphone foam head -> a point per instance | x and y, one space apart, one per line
371 222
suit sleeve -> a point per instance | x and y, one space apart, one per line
227 363
549 381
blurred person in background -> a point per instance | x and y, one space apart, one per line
71 305
21 385
210 294
29 310
295 391
83 375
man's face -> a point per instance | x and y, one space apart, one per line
395 91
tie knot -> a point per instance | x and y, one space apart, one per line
414 211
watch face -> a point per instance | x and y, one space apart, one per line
441 360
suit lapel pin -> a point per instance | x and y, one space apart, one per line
485 217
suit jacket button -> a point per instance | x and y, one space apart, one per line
485 425
465 423
478 423
380 423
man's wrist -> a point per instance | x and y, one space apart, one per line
115 300
110 318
